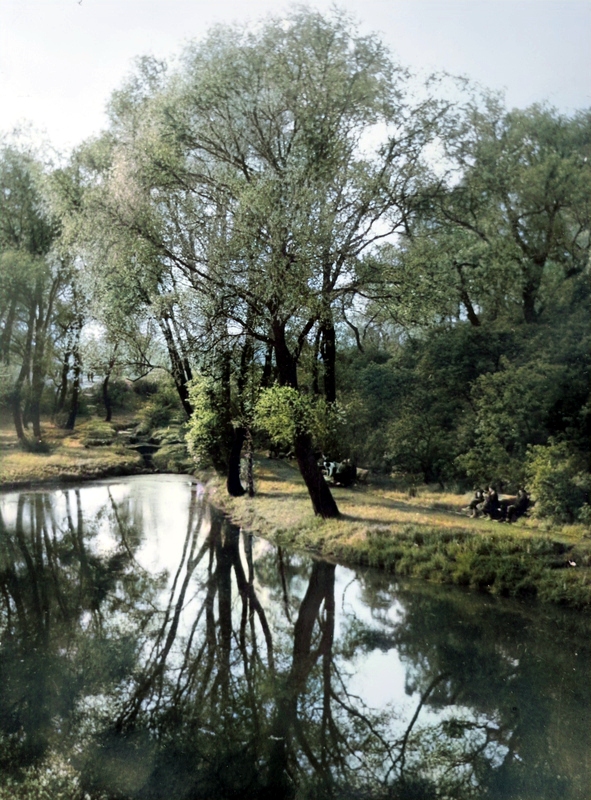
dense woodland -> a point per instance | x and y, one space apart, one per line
286 239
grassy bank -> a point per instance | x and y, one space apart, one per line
66 457
424 536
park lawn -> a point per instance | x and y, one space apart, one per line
425 535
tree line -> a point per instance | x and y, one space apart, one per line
314 245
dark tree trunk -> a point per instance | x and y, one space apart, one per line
233 483
531 287
465 297
249 464
329 354
266 377
286 364
107 398
17 416
35 410
63 388
6 337
179 376
323 502
75 399
530 313
315 366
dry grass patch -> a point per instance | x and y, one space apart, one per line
66 459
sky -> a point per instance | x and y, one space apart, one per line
61 59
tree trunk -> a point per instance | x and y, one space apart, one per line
75 399
177 367
323 502
17 414
17 417
249 464
266 377
233 483
465 297
63 388
529 305
532 279
315 365
329 354
6 337
106 398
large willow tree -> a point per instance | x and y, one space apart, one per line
257 175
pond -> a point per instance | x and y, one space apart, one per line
151 649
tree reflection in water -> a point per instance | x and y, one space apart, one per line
226 678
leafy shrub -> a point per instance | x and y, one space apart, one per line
205 432
283 413
172 458
557 481
120 394
162 410
145 387
512 412
98 434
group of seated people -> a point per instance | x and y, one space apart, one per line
487 504
342 473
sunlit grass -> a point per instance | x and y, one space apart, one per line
67 458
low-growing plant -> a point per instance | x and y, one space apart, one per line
162 410
98 434
206 430
173 458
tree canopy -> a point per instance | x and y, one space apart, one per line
287 205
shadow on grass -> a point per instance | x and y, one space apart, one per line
280 495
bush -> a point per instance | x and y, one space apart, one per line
120 394
558 482
282 412
145 387
206 432
173 458
98 434
162 410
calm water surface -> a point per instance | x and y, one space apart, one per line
150 649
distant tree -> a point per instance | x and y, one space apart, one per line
512 221
32 279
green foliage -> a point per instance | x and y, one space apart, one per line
173 458
204 435
558 482
98 434
161 410
283 412
120 394
512 411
